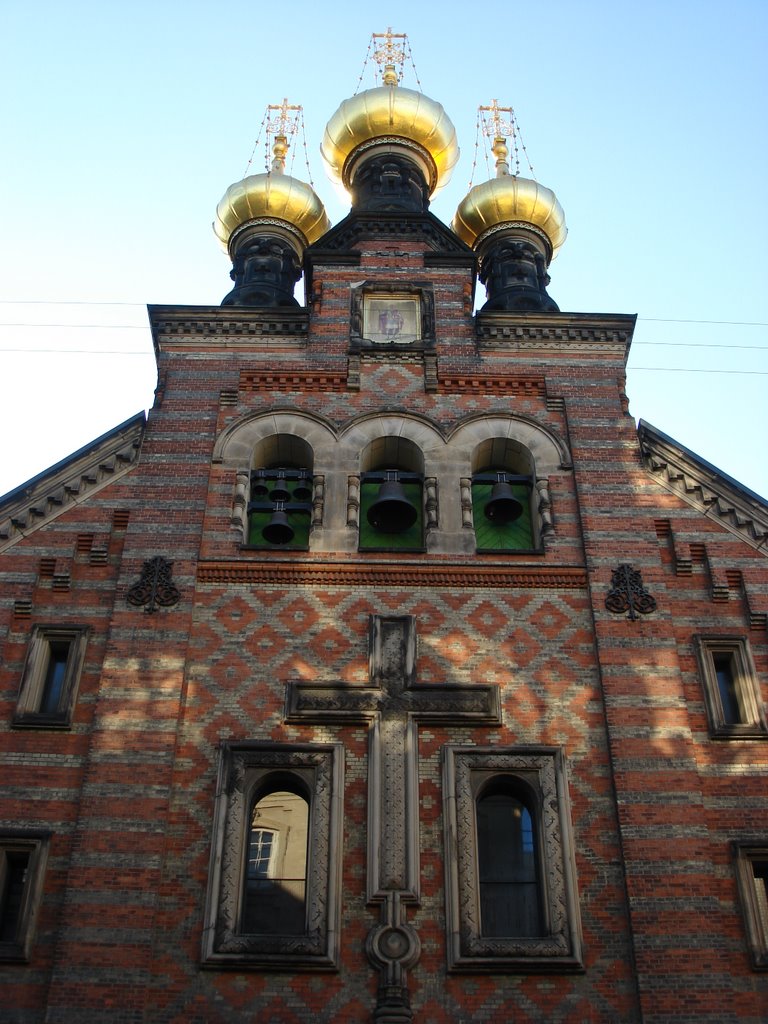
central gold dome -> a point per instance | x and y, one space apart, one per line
396 116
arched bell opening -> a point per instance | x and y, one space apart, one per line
503 477
391 496
281 491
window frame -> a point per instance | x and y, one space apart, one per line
541 772
246 769
746 684
33 677
755 919
35 844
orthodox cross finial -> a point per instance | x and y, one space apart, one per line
390 54
284 123
500 123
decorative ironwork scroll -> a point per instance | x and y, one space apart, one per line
627 593
156 588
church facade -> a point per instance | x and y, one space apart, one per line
386 672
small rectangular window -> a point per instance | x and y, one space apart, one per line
50 677
731 687
752 874
22 863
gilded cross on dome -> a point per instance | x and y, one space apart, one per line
390 54
284 123
494 125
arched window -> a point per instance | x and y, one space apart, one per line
507 849
502 486
281 488
274 896
391 496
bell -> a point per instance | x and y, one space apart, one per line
392 512
278 530
303 489
259 487
503 507
280 492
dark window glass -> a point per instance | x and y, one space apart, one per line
16 863
726 683
276 873
55 672
509 888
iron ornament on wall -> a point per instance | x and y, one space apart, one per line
155 589
627 593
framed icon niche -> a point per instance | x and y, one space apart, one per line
392 316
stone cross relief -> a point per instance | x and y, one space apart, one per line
393 705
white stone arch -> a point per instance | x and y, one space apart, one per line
236 444
540 452
362 441
358 435
548 451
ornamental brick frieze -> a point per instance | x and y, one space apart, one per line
373 574
521 387
290 380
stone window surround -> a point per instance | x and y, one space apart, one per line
746 682
447 462
28 713
542 771
35 844
754 915
244 770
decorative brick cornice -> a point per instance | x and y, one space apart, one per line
579 332
704 487
357 227
373 574
69 482
291 380
494 384
206 324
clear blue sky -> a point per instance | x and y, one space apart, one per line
123 124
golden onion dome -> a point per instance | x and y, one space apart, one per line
509 199
396 116
271 198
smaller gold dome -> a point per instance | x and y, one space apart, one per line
271 197
509 199
390 114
